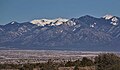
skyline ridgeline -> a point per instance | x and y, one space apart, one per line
83 33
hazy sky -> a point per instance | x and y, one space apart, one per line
27 10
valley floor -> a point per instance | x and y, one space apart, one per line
41 56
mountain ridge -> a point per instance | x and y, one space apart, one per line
83 33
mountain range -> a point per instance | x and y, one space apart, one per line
84 33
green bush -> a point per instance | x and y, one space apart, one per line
86 62
76 67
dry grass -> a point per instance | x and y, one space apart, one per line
80 68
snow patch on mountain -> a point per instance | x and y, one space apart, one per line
1 29
51 22
107 17
113 23
113 19
13 22
71 23
93 25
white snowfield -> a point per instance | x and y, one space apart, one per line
107 17
52 22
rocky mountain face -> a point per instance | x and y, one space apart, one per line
84 33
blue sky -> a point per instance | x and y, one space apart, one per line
27 10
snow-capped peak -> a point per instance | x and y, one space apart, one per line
114 20
51 22
12 22
107 17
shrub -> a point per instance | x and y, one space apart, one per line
107 62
